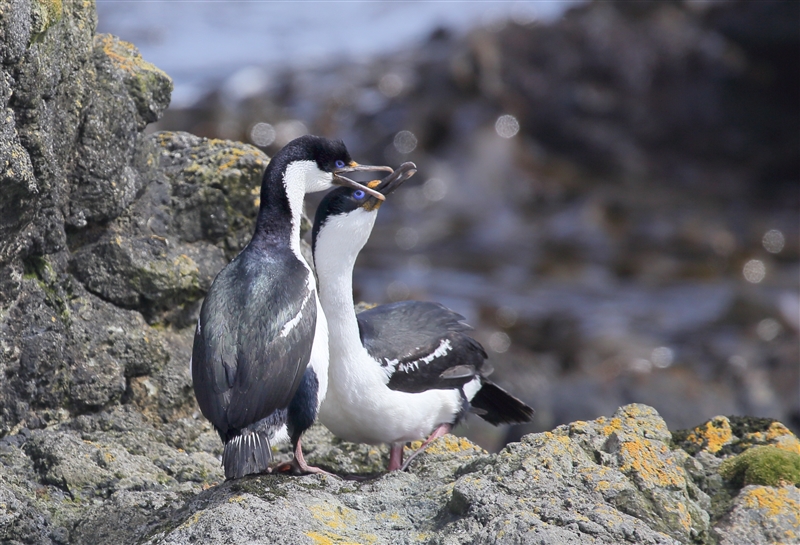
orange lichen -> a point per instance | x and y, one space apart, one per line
774 502
614 425
713 435
237 153
125 56
447 445
337 518
642 458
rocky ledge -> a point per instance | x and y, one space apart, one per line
113 477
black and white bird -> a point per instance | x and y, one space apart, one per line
398 372
260 356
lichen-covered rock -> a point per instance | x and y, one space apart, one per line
762 515
729 453
79 480
196 212
607 481
103 228
72 157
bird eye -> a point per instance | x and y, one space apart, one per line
358 194
339 163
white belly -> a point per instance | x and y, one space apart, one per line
319 353
360 407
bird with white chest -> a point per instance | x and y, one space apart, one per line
398 372
260 355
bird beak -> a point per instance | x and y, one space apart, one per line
338 179
355 167
395 179
347 182
389 184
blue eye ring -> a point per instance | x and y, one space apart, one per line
339 163
359 194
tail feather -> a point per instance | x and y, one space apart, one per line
497 406
246 453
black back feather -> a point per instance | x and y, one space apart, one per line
420 344
243 368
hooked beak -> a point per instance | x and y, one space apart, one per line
396 178
389 184
338 179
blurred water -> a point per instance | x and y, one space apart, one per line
200 43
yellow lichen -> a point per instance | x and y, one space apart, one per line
337 517
190 521
642 458
774 502
447 445
237 153
46 13
329 538
125 56
684 518
713 435
614 425
775 430
780 436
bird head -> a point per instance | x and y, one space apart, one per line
345 217
318 164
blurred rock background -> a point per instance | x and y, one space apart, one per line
610 196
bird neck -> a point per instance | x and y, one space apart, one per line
281 209
335 253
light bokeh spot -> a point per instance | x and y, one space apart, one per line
499 342
391 85
768 328
286 131
262 134
754 271
405 142
773 241
434 189
506 316
406 238
506 126
662 357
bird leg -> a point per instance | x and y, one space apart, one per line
395 457
298 465
441 430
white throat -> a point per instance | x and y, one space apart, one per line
302 177
337 246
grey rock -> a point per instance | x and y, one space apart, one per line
552 487
762 515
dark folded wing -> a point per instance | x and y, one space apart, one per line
253 340
421 345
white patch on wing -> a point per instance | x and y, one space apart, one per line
288 326
442 350
391 364
471 388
